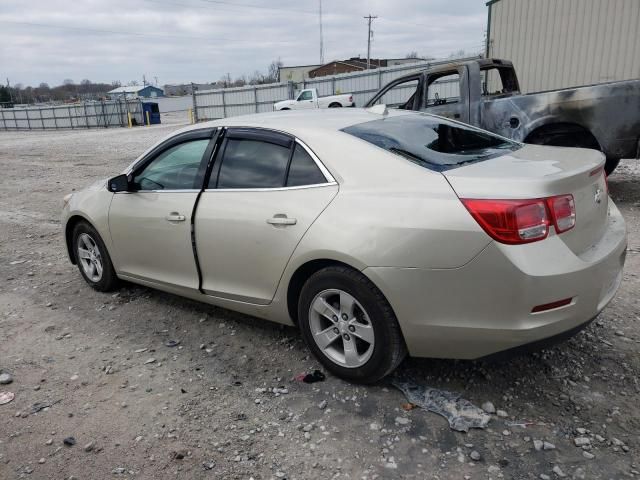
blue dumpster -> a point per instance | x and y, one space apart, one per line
151 113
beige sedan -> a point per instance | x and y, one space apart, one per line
379 233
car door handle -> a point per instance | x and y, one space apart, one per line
281 220
175 217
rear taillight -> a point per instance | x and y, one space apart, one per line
350 98
522 221
563 211
511 221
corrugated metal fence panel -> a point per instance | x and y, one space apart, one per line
565 43
84 115
222 103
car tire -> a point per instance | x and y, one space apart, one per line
610 165
370 326
335 105
92 258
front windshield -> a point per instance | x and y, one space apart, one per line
432 142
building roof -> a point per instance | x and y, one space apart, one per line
300 66
131 89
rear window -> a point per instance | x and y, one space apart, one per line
432 142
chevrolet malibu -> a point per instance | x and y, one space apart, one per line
377 232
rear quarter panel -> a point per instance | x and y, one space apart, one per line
388 212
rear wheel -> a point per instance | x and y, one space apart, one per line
93 259
349 325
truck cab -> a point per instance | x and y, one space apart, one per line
486 93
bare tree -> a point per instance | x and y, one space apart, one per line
68 81
273 71
412 54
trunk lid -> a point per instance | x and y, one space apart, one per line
537 172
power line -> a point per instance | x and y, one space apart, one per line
116 32
253 5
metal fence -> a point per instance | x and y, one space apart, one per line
211 104
114 113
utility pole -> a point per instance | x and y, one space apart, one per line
369 19
321 41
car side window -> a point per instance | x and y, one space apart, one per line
174 169
252 164
305 96
303 170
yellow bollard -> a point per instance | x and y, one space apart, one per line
129 117
191 116
148 120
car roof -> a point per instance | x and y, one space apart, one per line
299 121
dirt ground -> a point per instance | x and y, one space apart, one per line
97 367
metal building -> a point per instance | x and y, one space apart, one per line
566 43
136 91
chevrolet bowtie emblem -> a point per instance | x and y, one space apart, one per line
598 196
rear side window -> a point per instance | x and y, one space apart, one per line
253 164
432 142
303 170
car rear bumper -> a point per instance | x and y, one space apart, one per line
485 306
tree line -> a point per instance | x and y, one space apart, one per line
69 91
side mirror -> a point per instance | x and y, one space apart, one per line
118 184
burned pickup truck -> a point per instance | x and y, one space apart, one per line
486 93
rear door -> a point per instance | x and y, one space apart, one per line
150 226
265 191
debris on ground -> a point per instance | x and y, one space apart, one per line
172 343
6 397
69 441
460 413
316 376
38 406
5 378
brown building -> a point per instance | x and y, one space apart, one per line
355 64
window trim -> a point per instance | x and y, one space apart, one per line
190 136
330 180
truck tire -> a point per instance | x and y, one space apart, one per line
569 135
335 105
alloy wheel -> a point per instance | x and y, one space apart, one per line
341 328
89 257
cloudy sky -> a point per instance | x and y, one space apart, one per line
202 40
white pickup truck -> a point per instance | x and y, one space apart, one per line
308 98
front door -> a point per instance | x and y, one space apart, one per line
264 193
305 100
151 225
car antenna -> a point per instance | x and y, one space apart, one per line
380 109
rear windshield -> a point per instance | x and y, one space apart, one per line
432 142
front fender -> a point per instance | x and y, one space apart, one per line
92 206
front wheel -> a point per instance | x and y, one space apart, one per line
335 105
93 259
349 326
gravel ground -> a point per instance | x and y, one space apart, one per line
96 367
